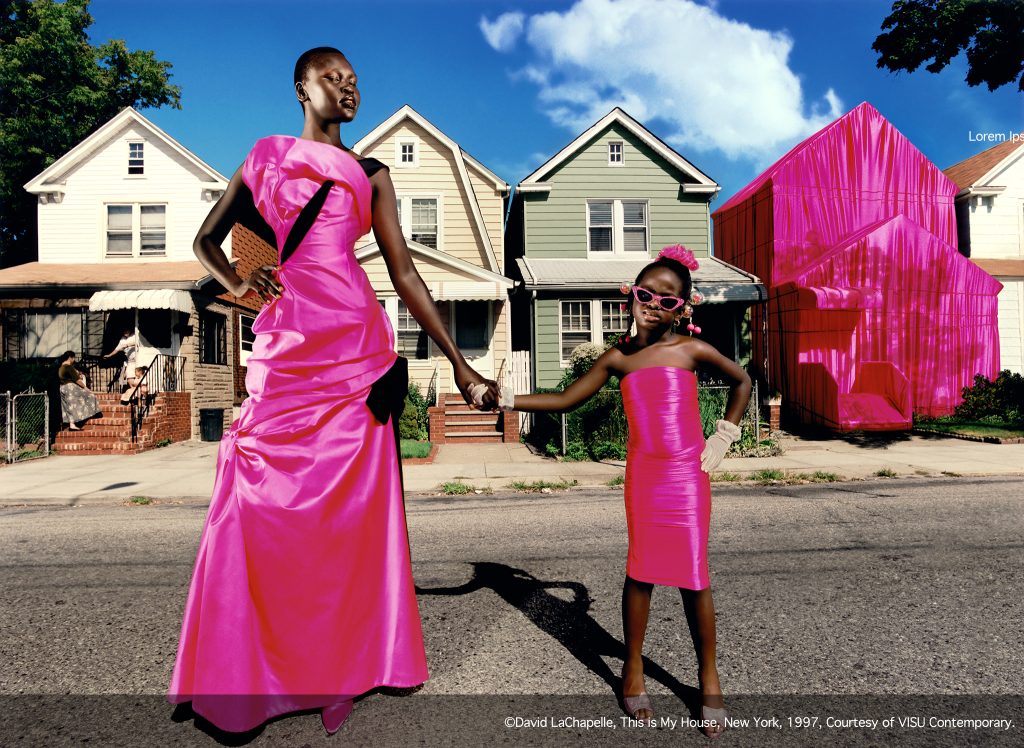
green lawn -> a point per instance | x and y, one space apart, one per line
973 428
412 448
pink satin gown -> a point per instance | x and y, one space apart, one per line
668 496
302 594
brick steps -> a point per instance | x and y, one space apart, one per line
168 418
455 422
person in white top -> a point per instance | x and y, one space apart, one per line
129 344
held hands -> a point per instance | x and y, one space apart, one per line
726 432
506 400
262 282
480 393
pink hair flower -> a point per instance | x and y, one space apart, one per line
680 254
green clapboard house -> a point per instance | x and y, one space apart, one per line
588 220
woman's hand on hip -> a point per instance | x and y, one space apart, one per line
261 282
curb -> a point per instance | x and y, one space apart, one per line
968 437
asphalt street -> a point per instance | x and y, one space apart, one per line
837 602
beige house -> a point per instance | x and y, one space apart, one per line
451 209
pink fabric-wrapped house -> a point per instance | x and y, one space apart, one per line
872 313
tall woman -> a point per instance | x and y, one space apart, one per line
302 595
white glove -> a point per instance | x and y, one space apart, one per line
718 444
505 396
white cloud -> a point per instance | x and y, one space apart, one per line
718 84
503 31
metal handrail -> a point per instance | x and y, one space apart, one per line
168 374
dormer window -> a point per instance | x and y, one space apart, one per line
135 159
615 157
407 153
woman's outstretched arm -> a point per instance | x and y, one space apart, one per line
413 291
576 393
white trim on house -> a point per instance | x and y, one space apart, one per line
621 161
596 331
50 180
400 143
405 213
618 228
460 157
998 169
443 258
619 116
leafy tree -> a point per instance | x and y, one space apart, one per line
55 89
991 31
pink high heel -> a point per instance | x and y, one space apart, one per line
334 716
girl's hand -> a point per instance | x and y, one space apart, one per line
466 379
718 444
261 282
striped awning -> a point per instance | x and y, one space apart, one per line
153 298
467 291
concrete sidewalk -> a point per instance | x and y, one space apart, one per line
186 470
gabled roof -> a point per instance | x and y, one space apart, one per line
982 167
703 183
442 258
460 157
52 176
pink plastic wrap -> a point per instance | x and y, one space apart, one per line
872 313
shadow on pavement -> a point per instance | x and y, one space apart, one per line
568 622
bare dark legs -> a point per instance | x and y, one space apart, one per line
700 617
636 605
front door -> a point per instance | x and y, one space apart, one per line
471 322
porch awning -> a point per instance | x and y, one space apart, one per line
153 298
467 291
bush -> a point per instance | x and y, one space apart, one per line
422 404
408 424
1002 398
582 358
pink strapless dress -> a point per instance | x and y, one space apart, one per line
302 594
668 496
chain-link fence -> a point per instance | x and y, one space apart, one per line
27 422
5 423
597 430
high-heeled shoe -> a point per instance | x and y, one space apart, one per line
334 716
636 703
717 715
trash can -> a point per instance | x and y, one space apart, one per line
211 424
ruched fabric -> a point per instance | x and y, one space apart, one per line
668 496
302 594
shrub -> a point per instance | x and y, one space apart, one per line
583 357
422 404
1002 398
408 424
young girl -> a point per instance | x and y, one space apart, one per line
668 490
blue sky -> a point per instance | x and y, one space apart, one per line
730 84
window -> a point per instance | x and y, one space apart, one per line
136 230
575 327
424 221
119 231
412 340
591 321
615 153
212 338
617 226
614 320
419 218
246 337
406 153
135 160
599 225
